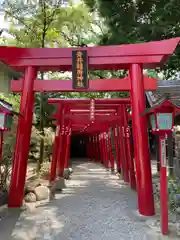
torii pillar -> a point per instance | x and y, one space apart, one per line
140 134
16 192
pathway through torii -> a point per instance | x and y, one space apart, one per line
95 205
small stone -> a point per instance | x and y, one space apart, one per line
156 175
66 173
3 198
70 171
158 187
30 186
23 206
178 210
42 193
30 197
177 199
29 207
178 229
154 189
155 180
58 185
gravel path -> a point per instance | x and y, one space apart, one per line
94 206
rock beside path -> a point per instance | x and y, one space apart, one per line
66 173
70 171
3 198
95 205
58 185
31 185
30 197
42 193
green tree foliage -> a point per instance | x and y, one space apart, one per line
48 26
13 99
130 21
44 26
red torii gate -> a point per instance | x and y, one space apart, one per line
132 57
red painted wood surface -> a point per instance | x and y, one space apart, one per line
97 85
100 57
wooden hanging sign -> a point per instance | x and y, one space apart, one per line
80 69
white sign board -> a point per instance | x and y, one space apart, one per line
163 153
2 119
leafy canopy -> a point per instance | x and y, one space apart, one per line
132 21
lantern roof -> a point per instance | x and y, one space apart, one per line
166 88
8 107
164 101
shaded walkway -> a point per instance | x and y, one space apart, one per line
95 205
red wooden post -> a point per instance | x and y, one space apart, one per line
65 148
120 144
93 148
101 148
106 151
61 149
62 145
132 176
163 184
142 156
54 155
90 147
119 147
128 151
1 144
56 145
124 164
68 144
124 145
16 192
115 135
87 148
97 149
110 151
107 148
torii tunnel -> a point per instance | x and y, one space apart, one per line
132 57
95 117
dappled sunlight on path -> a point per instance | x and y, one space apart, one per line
95 205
